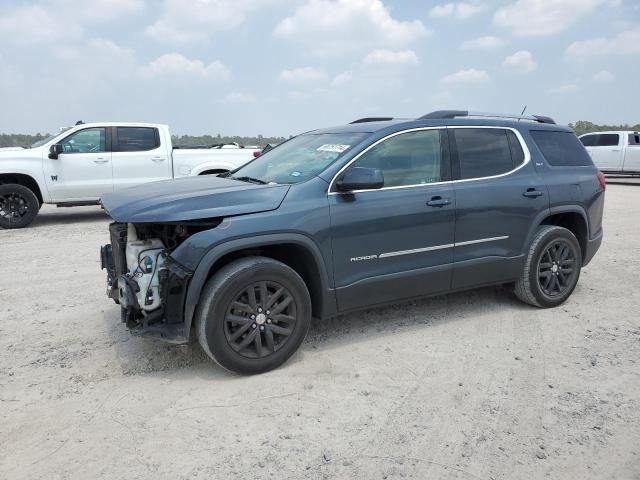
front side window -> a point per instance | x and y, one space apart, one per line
411 158
89 140
136 139
634 139
299 159
607 140
485 152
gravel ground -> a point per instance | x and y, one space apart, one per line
466 386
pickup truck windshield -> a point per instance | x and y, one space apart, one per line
39 143
300 158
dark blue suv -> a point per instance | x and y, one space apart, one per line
343 218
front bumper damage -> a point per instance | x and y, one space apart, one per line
165 323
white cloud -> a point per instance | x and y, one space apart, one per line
470 76
537 18
391 57
520 62
188 21
335 27
483 43
303 75
625 43
239 97
177 66
565 88
98 10
603 76
342 79
461 10
35 25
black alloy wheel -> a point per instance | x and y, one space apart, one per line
260 319
556 268
18 206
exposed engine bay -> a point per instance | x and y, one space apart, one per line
141 273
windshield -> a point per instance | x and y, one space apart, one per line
39 143
299 159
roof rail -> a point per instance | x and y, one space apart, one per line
466 113
372 119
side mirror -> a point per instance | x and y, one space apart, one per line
360 178
55 150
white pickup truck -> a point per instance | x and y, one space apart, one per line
614 152
76 166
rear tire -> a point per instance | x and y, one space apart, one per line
253 315
552 268
18 206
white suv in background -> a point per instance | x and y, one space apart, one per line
614 152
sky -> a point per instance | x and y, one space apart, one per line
281 67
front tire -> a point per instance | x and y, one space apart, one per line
253 315
552 268
18 206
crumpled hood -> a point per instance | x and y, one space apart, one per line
191 198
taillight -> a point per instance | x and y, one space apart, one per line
603 181
256 154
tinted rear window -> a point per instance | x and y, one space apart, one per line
137 139
483 152
588 140
607 140
561 149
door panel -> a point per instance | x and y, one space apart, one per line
83 172
395 242
138 157
607 152
494 215
632 153
389 244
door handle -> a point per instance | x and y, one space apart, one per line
438 201
100 160
158 159
533 193
615 150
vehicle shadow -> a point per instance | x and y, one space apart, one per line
139 356
71 215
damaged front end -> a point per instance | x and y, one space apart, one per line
143 278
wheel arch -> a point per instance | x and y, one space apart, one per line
572 217
25 180
295 250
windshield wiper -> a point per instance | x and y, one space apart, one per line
250 180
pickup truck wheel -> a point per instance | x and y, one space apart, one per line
552 268
253 315
18 206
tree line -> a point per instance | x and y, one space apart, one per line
26 140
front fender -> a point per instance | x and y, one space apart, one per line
201 273
25 162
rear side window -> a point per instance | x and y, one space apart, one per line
607 140
588 140
634 139
484 152
561 149
137 139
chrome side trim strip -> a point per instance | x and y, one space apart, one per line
415 250
441 247
481 240
525 149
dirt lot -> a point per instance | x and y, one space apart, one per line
468 386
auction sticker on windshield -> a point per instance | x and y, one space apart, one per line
329 147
